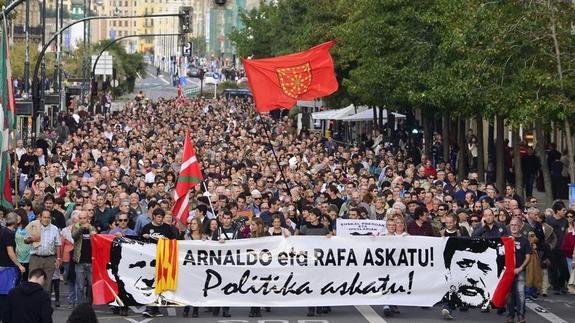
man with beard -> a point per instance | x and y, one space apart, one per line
472 274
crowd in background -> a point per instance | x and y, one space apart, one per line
116 173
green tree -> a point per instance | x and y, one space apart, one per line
127 66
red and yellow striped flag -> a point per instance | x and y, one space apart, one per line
166 265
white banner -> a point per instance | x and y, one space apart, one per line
308 271
346 227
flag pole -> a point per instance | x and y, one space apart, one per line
209 199
16 194
274 153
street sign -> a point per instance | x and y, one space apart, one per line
105 64
188 49
114 83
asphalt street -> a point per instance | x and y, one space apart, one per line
555 309
155 87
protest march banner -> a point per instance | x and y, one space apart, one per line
303 271
347 227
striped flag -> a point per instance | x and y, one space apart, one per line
7 117
190 175
166 265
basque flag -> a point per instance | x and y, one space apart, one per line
190 175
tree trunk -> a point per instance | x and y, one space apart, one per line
500 156
376 124
517 169
570 152
480 150
381 128
427 138
390 120
461 156
542 154
445 135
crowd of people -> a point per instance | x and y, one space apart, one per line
116 173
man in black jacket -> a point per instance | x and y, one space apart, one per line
29 302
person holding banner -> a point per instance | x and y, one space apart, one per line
516 301
258 230
226 231
276 229
122 230
152 232
315 228
195 231
390 225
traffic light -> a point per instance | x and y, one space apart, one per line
185 20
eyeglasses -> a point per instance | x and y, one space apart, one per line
122 220
89 210
113 186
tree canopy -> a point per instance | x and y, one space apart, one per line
510 58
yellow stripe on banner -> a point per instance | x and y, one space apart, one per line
166 265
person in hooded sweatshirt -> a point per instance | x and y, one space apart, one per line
29 302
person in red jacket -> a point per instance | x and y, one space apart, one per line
569 240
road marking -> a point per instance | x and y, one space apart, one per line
138 310
135 321
370 314
548 315
152 75
162 78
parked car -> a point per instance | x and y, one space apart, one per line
211 78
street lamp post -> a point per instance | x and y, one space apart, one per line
27 53
60 72
57 60
43 64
